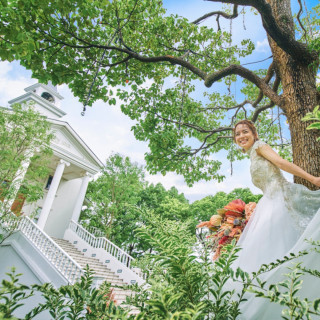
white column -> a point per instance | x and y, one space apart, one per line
51 193
80 198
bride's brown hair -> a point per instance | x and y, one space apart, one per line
251 126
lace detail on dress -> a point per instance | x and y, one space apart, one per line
255 146
300 202
265 175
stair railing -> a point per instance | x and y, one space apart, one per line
104 243
69 268
93 230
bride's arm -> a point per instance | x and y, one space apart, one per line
267 152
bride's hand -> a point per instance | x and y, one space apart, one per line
316 181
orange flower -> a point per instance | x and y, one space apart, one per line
226 225
249 208
216 254
235 208
89 309
203 224
215 220
230 220
235 232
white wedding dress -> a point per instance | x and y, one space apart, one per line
285 216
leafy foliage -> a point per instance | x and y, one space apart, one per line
24 135
119 202
183 284
286 292
111 197
24 138
315 115
78 301
133 52
180 285
119 198
12 294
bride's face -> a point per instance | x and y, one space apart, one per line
244 136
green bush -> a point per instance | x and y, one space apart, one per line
182 283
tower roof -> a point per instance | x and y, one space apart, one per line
49 87
45 97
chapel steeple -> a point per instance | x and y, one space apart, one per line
45 97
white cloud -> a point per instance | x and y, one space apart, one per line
5 68
11 87
263 46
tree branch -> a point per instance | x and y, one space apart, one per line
116 63
193 126
267 106
267 79
192 152
298 18
297 50
218 13
242 104
260 109
246 74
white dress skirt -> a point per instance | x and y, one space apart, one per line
285 216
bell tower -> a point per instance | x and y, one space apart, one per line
45 99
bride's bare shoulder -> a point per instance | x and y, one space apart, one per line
264 150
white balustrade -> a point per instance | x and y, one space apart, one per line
69 268
105 244
95 231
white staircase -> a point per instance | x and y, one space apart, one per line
109 254
52 252
62 261
70 261
97 267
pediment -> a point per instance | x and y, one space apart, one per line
70 146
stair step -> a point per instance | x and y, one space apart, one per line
95 265
99 270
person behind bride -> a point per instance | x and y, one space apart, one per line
286 215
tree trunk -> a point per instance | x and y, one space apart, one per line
299 97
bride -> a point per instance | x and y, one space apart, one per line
286 215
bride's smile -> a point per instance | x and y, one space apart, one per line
244 137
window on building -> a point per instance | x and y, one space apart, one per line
49 183
48 96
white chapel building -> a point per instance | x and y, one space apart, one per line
49 244
71 166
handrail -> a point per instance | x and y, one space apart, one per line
93 230
68 267
104 243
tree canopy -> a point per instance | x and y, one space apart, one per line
120 201
111 198
152 62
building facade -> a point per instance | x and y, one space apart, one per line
72 165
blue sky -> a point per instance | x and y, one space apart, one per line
105 129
